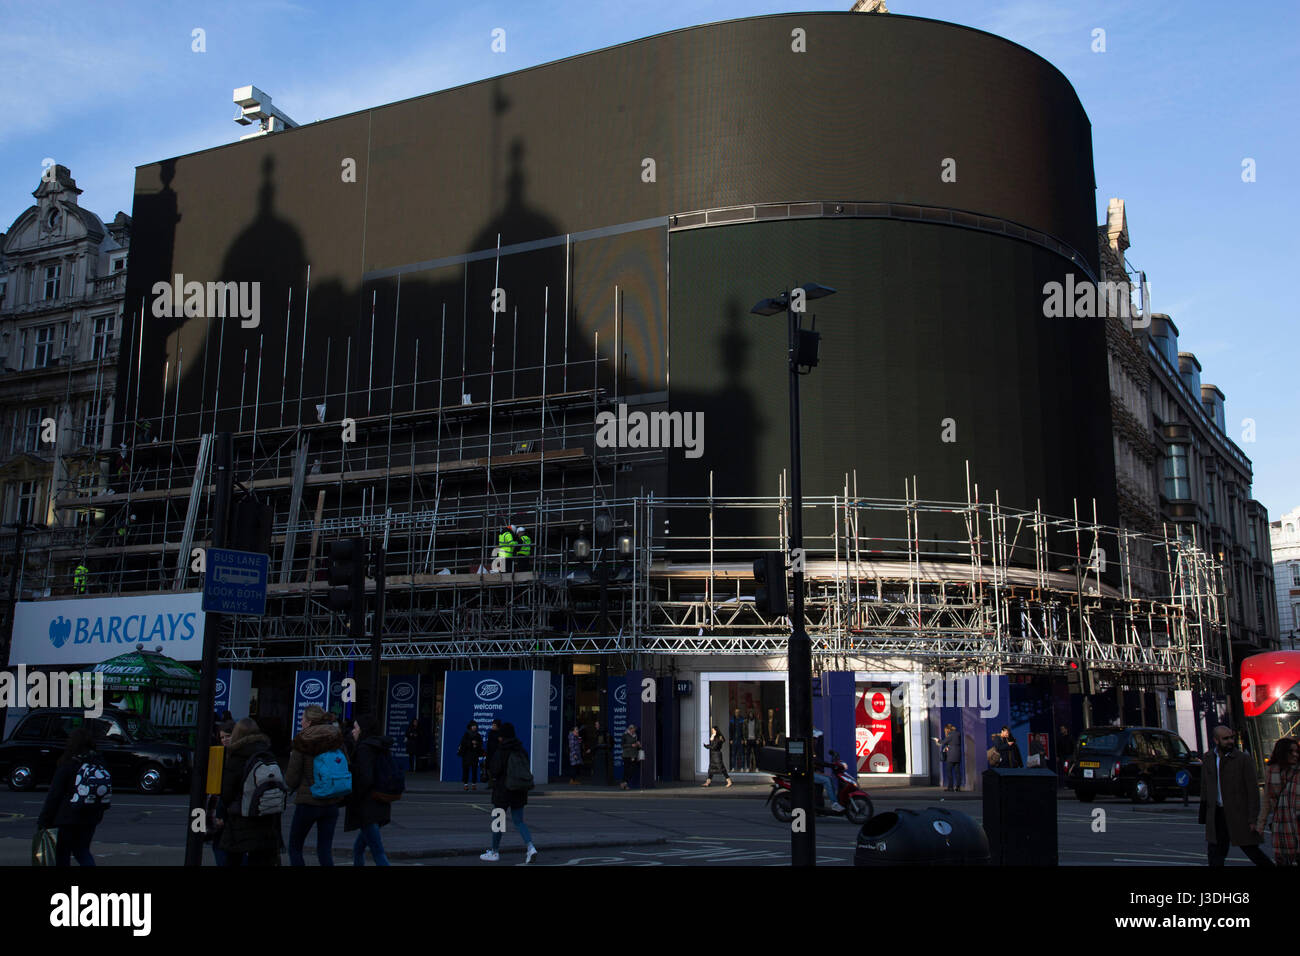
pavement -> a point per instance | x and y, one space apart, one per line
680 823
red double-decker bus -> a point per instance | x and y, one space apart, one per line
1270 696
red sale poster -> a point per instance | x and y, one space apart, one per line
875 745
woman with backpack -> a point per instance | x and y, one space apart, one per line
79 794
251 836
469 752
370 807
319 777
511 781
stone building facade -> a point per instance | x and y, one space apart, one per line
1284 535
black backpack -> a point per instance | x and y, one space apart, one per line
390 781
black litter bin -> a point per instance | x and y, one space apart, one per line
1020 816
931 837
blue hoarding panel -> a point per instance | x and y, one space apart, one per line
235 582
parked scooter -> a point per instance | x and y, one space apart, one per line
857 805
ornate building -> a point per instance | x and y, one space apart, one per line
62 285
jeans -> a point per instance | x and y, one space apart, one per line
518 817
632 773
1218 852
368 836
828 785
74 840
469 770
325 819
952 775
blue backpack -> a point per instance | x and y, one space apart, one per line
331 776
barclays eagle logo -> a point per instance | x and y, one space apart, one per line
60 631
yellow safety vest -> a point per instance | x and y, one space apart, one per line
506 544
525 547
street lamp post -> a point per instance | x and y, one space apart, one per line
802 351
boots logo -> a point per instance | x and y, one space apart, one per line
403 692
221 688
620 694
488 690
311 689
60 631
211 300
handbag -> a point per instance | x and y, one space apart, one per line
44 845
994 758
640 754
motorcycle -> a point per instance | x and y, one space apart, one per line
857 805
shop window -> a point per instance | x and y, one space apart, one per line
881 731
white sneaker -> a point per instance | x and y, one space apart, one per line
532 852
837 807
491 856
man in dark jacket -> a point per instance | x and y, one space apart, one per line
320 735
950 757
1008 750
75 803
503 798
1230 801
493 737
365 813
254 841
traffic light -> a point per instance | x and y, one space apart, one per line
347 576
769 575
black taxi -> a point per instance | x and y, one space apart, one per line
1141 763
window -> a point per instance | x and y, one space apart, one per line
119 263
93 433
32 433
1209 499
43 347
28 495
103 332
1177 486
1295 574
33 728
53 276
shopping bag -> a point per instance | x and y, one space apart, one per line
43 847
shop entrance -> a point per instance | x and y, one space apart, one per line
750 710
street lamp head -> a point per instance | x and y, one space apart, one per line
625 545
582 549
771 306
813 290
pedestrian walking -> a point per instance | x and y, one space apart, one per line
321 781
717 763
950 757
80 793
1230 801
493 737
251 835
633 754
575 755
376 783
511 780
1282 800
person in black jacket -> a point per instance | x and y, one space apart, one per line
71 807
503 798
365 813
1008 749
717 763
216 807
493 738
247 841
469 752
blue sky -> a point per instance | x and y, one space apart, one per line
1183 93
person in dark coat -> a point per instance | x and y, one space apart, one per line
414 745
717 763
736 731
364 813
250 841
503 798
1230 801
631 758
493 737
469 752
75 813
575 755
1008 749
216 807
950 757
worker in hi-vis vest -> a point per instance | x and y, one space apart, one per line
524 549
80 579
506 544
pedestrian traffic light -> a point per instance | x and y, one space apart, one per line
769 576
347 574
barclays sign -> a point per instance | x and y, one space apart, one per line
91 630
